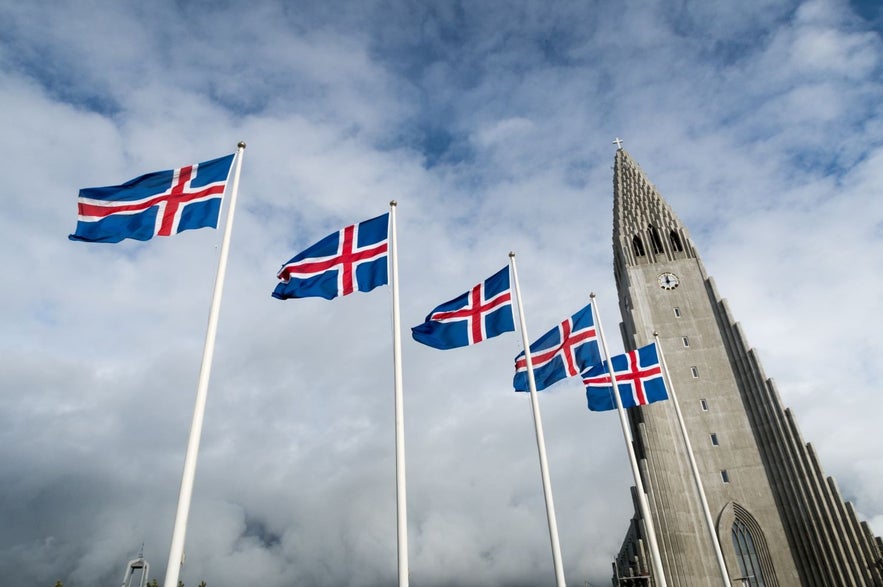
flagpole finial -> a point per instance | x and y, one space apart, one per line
511 254
241 144
655 334
393 203
592 295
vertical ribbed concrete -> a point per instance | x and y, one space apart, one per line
775 489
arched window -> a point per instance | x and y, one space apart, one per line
675 241
654 238
745 548
746 554
638 246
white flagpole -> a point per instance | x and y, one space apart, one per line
401 494
538 426
695 469
655 557
176 552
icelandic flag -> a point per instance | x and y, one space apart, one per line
565 351
352 259
482 312
161 203
638 376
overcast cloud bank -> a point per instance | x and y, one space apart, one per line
491 124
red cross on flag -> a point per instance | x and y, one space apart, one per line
638 376
351 259
482 312
564 351
161 203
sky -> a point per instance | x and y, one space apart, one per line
490 123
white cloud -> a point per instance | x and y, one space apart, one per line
492 130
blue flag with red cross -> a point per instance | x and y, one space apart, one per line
349 260
638 376
161 203
482 312
565 351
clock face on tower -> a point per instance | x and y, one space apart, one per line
668 281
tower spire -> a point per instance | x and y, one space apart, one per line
645 228
136 571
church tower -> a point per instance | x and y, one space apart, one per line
780 522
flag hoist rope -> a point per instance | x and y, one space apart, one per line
709 523
176 552
538 426
401 494
655 557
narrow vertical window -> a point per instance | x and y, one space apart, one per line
748 549
638 246
694 371
686 342
677 312
654 239
675 241
725 476
704 405
714 441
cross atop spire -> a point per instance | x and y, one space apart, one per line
618 142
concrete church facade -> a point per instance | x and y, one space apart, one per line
779 521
